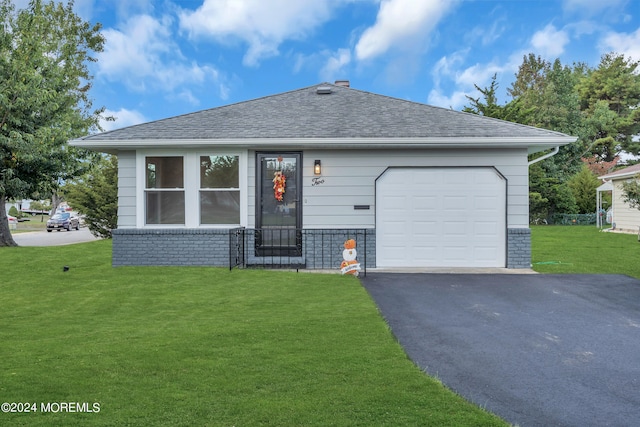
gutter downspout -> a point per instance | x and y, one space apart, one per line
546 156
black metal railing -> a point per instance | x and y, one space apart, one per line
294 248
236 248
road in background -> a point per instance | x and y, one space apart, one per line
55 238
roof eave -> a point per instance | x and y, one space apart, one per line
615 176
533 144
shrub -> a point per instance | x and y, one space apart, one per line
13 211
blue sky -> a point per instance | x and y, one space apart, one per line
165 58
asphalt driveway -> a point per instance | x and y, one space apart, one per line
538 350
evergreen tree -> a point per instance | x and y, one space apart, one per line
584 187
609 97
95 195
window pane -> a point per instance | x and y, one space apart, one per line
165 172
165 207
219 207
219 172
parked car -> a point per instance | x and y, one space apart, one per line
63 220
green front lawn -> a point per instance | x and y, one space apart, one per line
203 346
34 223
584 249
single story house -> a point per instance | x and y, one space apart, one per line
300 171
623 216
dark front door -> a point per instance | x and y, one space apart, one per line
278 204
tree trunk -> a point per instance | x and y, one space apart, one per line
6 239
55 201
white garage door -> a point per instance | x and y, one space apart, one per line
440 217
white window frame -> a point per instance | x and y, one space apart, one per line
191 160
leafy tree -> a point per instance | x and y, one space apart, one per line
538 208
42 207
547 91
599 106
598 167
584 186
512 112
550 194
610 95
631 192
44 98
96 196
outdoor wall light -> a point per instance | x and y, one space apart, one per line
317 167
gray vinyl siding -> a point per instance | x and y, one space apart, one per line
126 189
349 179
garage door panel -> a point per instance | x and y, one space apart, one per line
452 203
426 203
457 178
485 203
441 217
485 253
425 229
486 229
455 228
453 253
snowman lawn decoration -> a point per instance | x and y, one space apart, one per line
349 264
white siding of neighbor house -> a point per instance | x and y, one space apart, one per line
126 189
349 179
625 217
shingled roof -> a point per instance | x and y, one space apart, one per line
341 113
627 172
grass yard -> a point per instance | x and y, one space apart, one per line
35 223
203 346
584 249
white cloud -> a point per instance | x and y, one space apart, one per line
401 23
263 25
328 64
123 118
550 42
449 73
335 65
487 35
144 57
456 101
627 44
447 66
592 7
478 74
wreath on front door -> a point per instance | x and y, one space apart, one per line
279 184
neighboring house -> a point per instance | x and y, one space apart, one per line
624 216
431 187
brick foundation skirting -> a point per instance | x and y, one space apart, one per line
518 248
192 247
210 247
